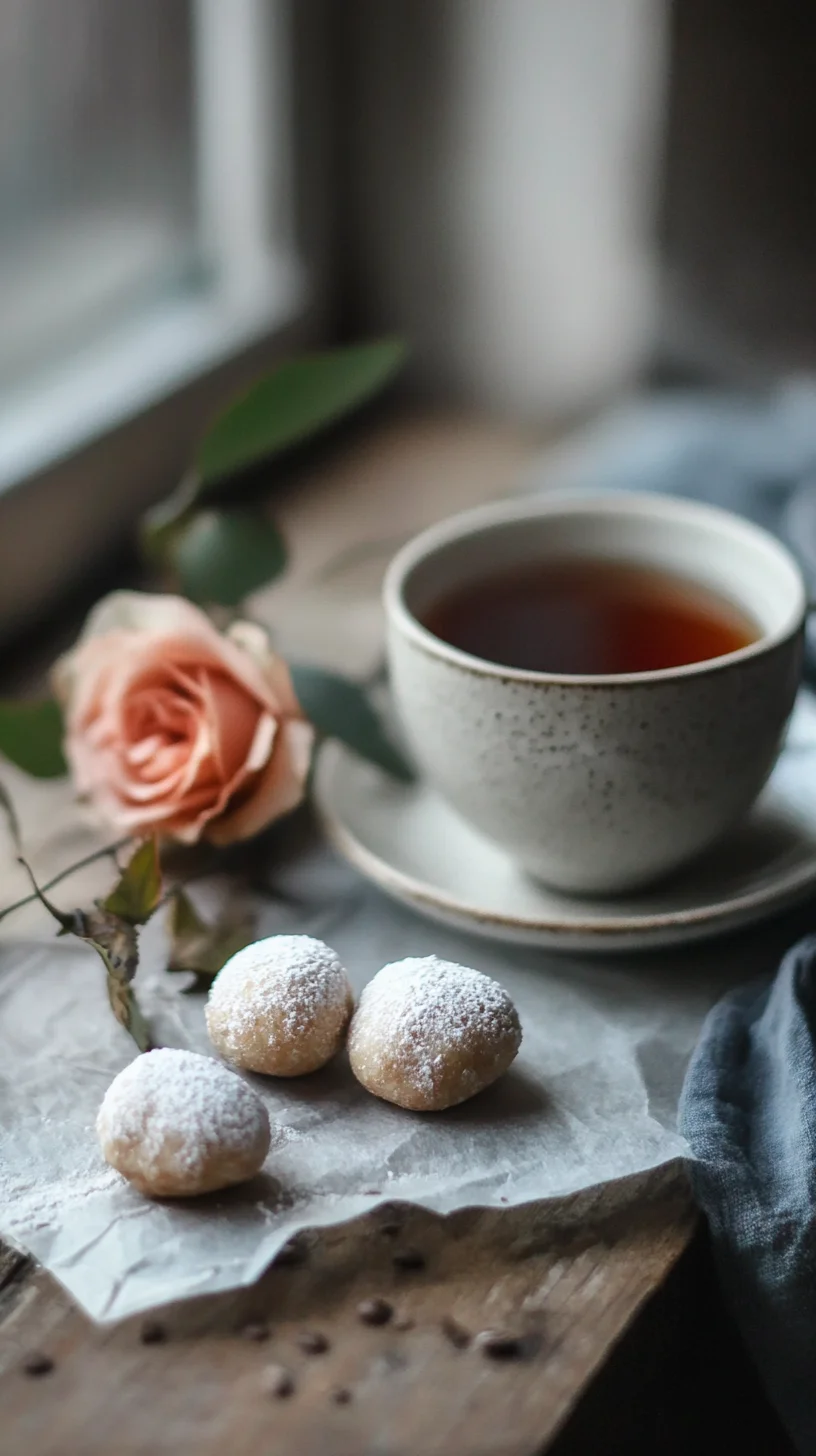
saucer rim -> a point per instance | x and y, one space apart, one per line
721 915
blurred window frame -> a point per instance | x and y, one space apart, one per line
85 447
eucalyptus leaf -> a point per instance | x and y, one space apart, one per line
339 708
298 399
161 525
202 948
139 890
222 556
31 737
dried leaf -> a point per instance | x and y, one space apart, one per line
200 948
115 941
13 822
67 920
113 938
112 935
128 1012
139 890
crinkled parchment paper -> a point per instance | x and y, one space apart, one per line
591 1098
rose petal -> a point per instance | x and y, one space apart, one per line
132 611
262 744
100 671
171 726
279 789
233 717
253 640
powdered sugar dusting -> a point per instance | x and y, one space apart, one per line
34 1203
179 1105
280 995
421 1014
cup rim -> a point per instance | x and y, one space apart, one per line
583 501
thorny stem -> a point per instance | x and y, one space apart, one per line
109 851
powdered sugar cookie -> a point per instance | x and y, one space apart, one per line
280 1006
429 1033
176 1124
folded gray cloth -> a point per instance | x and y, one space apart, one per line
748 1112
755 456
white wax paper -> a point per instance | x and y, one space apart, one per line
591 1098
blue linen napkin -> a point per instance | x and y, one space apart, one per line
748 1109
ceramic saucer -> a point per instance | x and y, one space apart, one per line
407 840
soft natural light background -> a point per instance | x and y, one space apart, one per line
97 204
145 207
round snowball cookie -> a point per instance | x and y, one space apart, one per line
428 1034
280 1006
176 1124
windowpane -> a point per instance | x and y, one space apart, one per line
97 173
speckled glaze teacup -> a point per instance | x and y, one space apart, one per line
598 784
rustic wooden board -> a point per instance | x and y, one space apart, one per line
569 1290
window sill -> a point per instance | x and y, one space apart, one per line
83 454
160 353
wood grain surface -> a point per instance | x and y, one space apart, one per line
560 1294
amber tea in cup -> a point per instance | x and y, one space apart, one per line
597 682
589 617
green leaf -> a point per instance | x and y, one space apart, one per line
139 890
222 556
160 526
31 736
296 400
199 947
339 708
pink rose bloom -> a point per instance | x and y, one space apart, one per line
176 729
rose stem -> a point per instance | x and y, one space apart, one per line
108 851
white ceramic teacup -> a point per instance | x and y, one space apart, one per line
598 784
